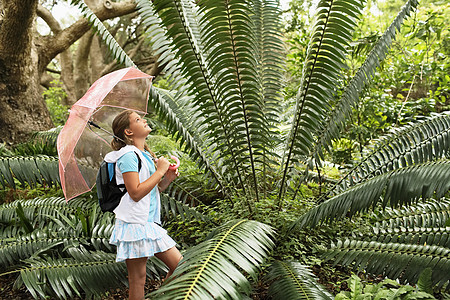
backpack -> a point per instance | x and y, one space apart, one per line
108 191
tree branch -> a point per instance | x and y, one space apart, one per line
48 18
52 46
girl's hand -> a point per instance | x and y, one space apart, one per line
171 175
162 165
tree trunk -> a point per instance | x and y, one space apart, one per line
24 57
22 108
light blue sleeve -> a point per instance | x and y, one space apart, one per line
128 162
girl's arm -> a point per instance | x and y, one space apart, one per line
170 176
137 190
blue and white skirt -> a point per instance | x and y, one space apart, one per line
137 240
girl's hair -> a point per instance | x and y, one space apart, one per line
120 139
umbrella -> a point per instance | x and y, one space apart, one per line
86 136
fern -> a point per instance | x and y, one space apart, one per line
400 249
424 141
29 170
239 243
424 180
394 260
433 213
292 280
327 50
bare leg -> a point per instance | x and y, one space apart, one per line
171 258
137 273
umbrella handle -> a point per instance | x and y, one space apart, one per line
172 167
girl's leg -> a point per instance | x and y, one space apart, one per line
171 258
137 273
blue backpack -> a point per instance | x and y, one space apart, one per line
108 191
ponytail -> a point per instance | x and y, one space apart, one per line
120 123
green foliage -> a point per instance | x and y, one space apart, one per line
386 289
28 170
292 280
401 243
233 248
64 245
220 100
54 97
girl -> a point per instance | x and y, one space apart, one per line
137 234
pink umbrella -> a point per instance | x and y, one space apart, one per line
81 146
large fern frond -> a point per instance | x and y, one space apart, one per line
350 96
395 188
48 136
195 68
327 50
213 269
162 48
171 206
292 280
401 243
433 213
29 170
64 278
159 102
394 260
39 209
424 141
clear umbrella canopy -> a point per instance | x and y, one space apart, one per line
82 146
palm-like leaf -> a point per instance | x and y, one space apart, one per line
394 260
48 136
171 206
213 269
402 248
423 180
327 50
39 209
424 141
433 213
350 96
31 170
160 100
292 280
90 272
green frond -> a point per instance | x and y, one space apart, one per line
65 278
427 140
113 46
327 50
433 213
158 99
15 249
29 170
437 236
48 136
160 42
214 268
271 55
292 280
169 206
394 260
39 209
395 188
350 96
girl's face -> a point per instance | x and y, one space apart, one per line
138 127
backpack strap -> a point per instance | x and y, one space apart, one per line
139 161
139 169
